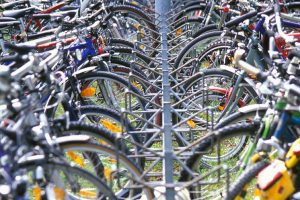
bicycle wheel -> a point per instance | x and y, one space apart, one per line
120 172
72 182
135 19
244 186
114 123
223 146
215 54
219 84
191 51
245 114
108 90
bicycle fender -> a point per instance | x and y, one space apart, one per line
71 138
253 107
84 70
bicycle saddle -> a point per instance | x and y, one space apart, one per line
18 13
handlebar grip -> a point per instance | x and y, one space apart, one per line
241 19
248 68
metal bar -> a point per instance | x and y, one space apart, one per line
162 7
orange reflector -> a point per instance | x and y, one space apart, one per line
76 158
178 31
112 160
36 191
88 92
191 123
221 107
59 193
137 85
107 173
111 126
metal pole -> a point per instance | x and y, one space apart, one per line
162 7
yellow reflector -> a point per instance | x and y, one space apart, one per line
111 126
137 85
76 158
107 173
191 123
88 92
178 31
36 191
59 193
87 194
221 108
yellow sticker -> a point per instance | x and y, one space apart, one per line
191 123
88 92
76 158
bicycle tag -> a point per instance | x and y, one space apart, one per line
274 182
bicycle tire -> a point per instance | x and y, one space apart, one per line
236 190
206 143
83 174
191 44
134 170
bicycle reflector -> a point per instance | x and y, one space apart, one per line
274 182
73 156
87 193
191 123
111 126
88 92
293 155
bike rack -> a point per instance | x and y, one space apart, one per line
162 7
166 94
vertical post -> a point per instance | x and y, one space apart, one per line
162 7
